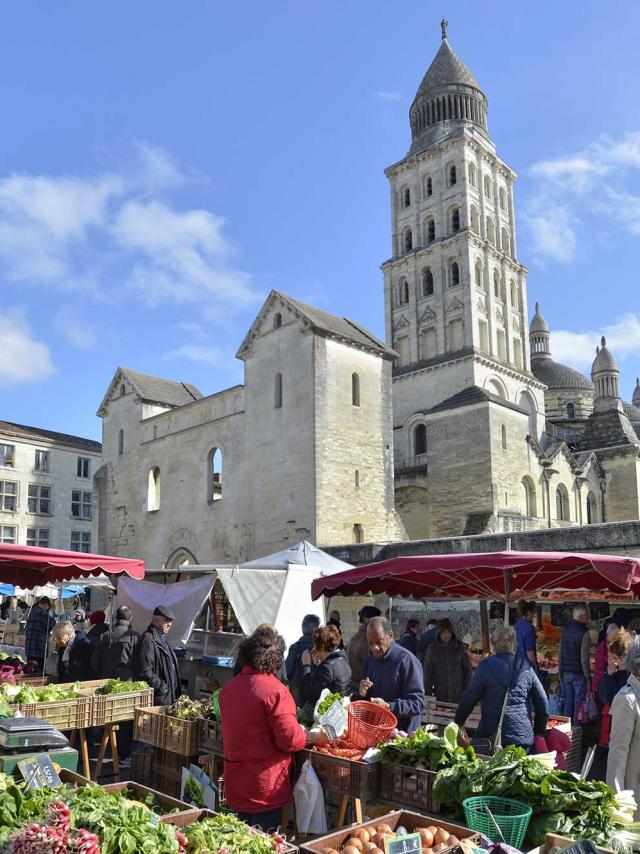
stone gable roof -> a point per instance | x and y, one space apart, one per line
472 395
153 389
21 431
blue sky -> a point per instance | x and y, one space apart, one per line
163 165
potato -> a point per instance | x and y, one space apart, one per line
426 835
350 849
355 842
362 834
426 850
441 836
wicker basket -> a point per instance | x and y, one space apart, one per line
346 777
112 708
412 787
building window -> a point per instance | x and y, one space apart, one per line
277 321
478 274
403 292
121 443
355 389
277 391
496 284
83 467
571 410
358 533
491 231
427 282
38 537
41 461
406 197
408 240
357 479
455 220
504 437
8 495
81 503
453 176
506 242
428 187
214 475
8 534
503 200
454 274
39 499
514 294
153 489
592 509
420 440
8 455
487 187
562 504
430 231
475 220
80 541
122 390
473 176
529 497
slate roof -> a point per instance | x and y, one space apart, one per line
632 412
555 375
604 360
538 324
159 390
21 431
447 69
474 394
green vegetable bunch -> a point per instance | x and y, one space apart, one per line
190 710
117 686
325 704
226 832
47 694
425 750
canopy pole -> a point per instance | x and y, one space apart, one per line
507 594
391 612
484 625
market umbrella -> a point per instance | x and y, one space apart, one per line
28 566
490 575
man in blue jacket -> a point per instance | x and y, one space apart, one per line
392 676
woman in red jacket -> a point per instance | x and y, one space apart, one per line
260 733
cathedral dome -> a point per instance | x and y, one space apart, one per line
448 97
632 412
554 375
604 360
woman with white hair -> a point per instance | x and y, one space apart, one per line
74 653
623 765
504 674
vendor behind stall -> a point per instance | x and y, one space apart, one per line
74 653
326 667
392 676
155 661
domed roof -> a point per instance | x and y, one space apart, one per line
632 412
636 393
604 361
447 69
538 324
555 375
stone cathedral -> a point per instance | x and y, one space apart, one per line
460 423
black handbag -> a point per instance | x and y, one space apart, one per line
487 746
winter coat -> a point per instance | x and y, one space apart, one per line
74 662
424 642
600 664
96 632
488 688
623 764
357 652
332 673
610 684
152 663
570 647
260 734
113 655
293 664
447 670
397 678
409 641
39 625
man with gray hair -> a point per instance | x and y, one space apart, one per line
573 660
293 663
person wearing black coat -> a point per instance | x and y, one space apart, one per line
74 653
488 687
154 660
331 670
113 654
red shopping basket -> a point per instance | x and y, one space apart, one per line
369 724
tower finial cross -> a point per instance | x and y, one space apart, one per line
443 25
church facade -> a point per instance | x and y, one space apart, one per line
461 423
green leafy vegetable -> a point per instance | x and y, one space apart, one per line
190 710
325 704
117 686
226 832
425 750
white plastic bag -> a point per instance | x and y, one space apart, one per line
309 799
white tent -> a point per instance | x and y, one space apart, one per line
277 588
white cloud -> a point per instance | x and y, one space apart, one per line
579 348
157 170
72 326
388 96
593 181
24 359
202 353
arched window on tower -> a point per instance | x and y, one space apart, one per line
571 410
506 242
430 230
473 175
487 187
453 176
277 320
408 240
358 533
120 443
491 231
406 197
475 220
427 282
504 437
496 284
515 302
428 186
455 220
420 440
454 274
214 475
153 489
277 392
355 389
478 273
503 199
403 292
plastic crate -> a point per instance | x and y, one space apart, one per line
62 714
146 725
411 820
346 777
113 708
211 737
168 804
402 784
141 766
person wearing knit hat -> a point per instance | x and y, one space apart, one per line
98 627
447 666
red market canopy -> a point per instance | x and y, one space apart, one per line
26 566
491 575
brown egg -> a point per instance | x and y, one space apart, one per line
441 836
350 849
355 842
426 835
362 834
384 828
452 840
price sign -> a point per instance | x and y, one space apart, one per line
410 843
38 772
334 720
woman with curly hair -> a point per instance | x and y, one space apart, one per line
331 670
260 733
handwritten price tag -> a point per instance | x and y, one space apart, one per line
38 772
410 843
334 720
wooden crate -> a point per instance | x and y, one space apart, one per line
168 804
346 777
411 820
113 708
407 786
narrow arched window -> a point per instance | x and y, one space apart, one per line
592 509
355 389
277 320
357 480
453 176
478 269
408 240
358 533
506 242
504 437
491 231
571 410
562 504
120 443
431 231
406 197
277 396
153 489
405 293
454 274
496 284
420 440
475 220
214 475
472 174
455 220
428 187
487 187
514 294
122 390
503 200
427 282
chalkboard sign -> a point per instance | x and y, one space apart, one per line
334 720
38 772
407 844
